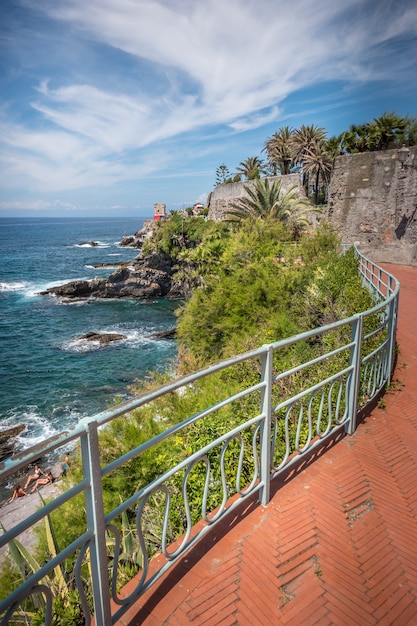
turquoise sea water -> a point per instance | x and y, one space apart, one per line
49 379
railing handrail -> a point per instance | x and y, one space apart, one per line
323 407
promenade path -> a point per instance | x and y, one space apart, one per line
337 544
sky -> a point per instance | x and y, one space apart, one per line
110 106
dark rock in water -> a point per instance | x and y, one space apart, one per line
138 239
113 264
76 288
7 444
103 338
93 244
129 242
165 334
13 431
144 278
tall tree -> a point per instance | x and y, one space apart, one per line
356 139
387 129
410 133
278 150
305 141
251 168
222 174
334 146
318 164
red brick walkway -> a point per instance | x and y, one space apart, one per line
338 542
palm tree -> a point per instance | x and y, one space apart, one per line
386 129
278 150
410 133
251 168
356 139
318 163
304 141
334 146
265 201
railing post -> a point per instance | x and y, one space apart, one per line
265 442
392 333
355 374
95 522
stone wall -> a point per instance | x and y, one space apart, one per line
373 203
219 201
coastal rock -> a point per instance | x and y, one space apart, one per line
111 264
144 278
165 334
138 239
76 288
13 431
7 444
129 241
13 513
103 338
93 244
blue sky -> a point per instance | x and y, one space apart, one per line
108 106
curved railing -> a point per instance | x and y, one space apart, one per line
283 418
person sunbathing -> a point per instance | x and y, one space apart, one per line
43 481
35 476
18 492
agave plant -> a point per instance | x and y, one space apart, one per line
28 565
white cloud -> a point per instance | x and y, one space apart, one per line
196 64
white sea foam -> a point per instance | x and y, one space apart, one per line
78 344
114 254
18 285
140 336
134 337
35 290
38 427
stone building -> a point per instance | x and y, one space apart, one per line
159 211
198 207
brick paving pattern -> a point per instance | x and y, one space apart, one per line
337 544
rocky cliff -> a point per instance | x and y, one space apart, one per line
150 277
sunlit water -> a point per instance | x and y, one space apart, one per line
49 379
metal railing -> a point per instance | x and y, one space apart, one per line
283 415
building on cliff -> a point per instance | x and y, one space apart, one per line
159 211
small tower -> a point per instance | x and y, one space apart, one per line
159 211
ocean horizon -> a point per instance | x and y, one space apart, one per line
49 378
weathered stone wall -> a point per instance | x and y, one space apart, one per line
220 200
373 203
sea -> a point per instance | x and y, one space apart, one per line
49 378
